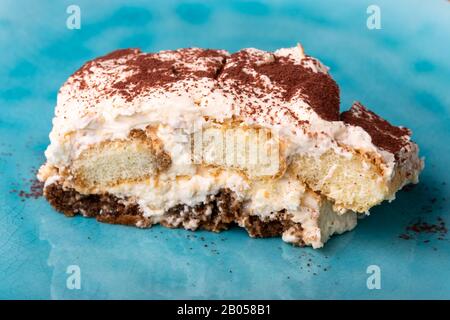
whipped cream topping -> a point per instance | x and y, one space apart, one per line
287 91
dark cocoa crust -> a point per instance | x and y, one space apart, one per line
223 209
105 208
261 229
224 212
384 135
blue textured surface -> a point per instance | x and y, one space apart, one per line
401 71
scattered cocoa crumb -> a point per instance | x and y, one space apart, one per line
422 227
35 191
425 227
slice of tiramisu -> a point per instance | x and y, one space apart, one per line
198 138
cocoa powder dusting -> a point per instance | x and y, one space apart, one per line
147 72
151 71
319 90
117 54
383 134
422 227
159 71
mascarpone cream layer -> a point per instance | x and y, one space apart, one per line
77 124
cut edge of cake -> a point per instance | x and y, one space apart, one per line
124 125
312 225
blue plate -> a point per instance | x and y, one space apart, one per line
401 71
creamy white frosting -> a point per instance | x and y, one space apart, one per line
84 117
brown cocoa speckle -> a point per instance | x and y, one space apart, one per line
384 135
419 227
35 190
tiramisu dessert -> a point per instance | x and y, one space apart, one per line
199 138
